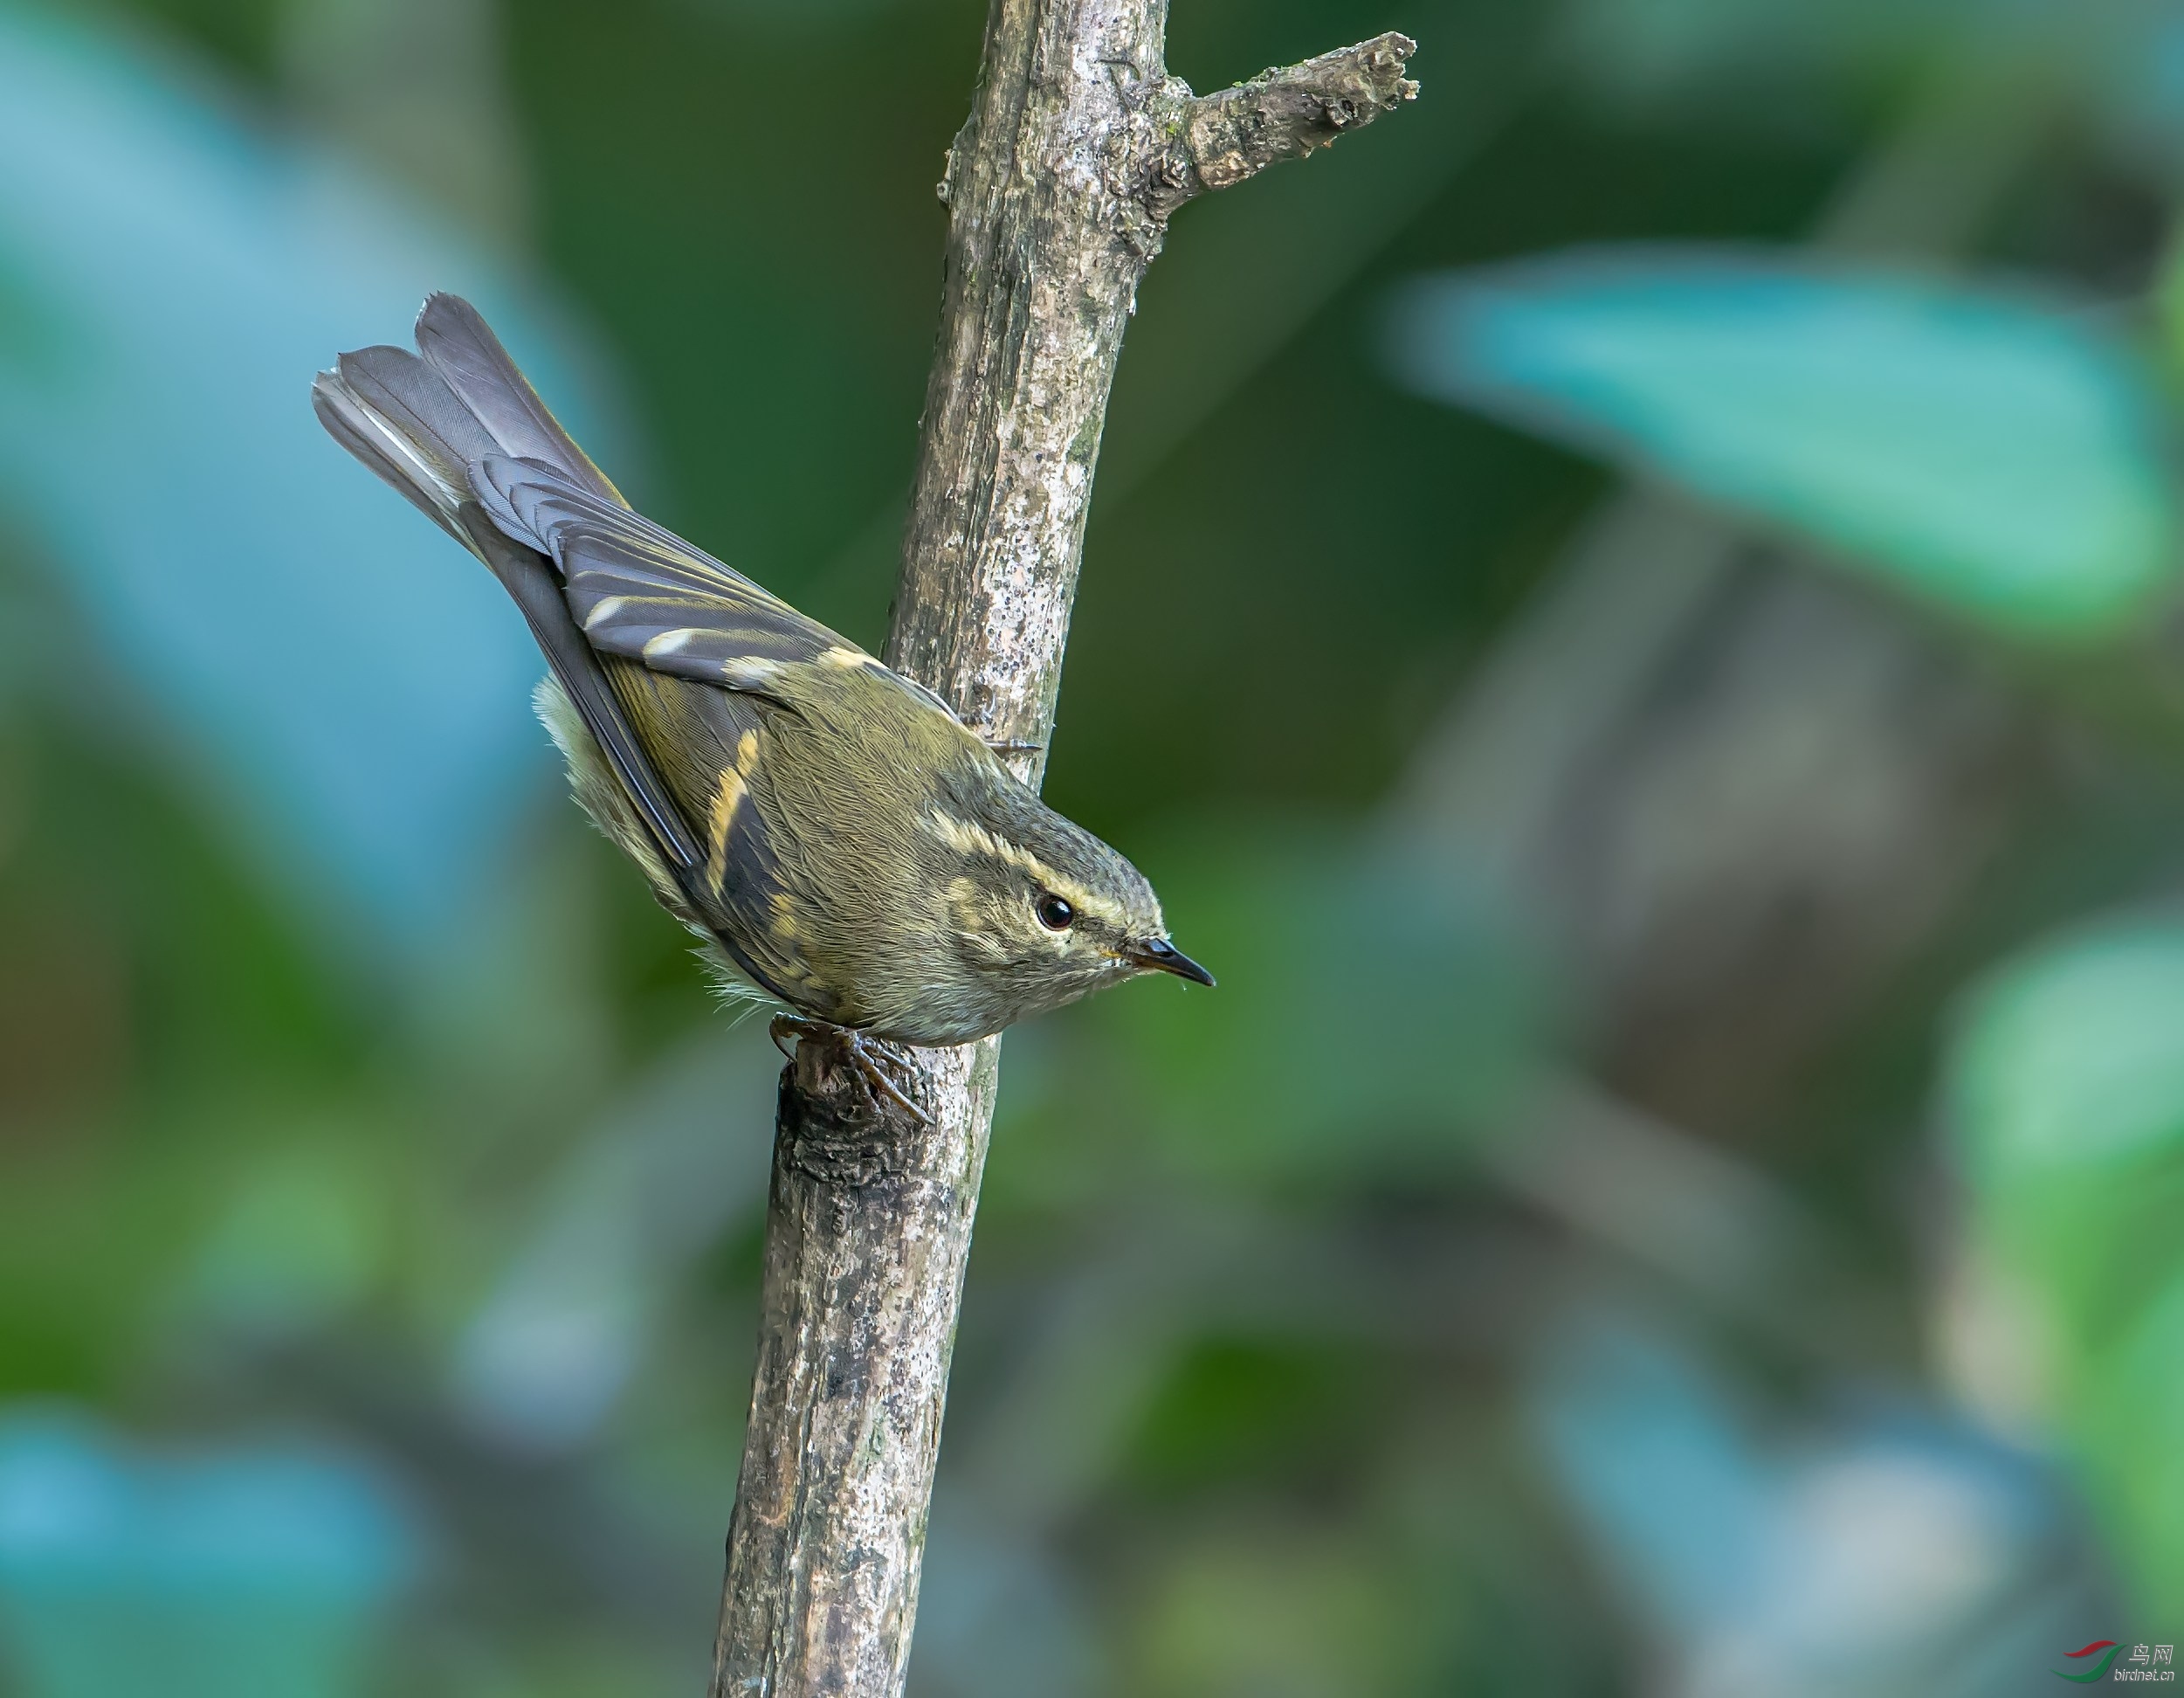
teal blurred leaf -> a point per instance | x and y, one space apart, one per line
256 1572
1651 1451
1990 453
170 277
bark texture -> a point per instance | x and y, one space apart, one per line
1078 148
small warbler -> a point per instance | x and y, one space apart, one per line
841 843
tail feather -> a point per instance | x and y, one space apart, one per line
460 346
398 415
426 426
405 390
397 458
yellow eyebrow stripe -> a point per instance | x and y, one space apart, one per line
969 838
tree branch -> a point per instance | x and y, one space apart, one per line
1280 114
1059 187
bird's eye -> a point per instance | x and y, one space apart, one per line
1054 914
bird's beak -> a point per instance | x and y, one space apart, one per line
1163 957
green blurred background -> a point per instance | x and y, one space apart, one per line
1632 610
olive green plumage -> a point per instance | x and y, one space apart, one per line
843 844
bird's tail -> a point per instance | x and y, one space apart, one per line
428 423
424 422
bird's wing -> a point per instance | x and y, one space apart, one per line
642 592
584 679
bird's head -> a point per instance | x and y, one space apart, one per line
1041 909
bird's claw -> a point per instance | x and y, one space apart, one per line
1005 745
864 1053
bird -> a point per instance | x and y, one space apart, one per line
845 848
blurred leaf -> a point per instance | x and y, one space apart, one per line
170 279
1651 1452
2072 1061
2066 1091
256 1572
1989 453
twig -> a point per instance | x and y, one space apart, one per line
1078 148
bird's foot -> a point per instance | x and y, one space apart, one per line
1004 745
866 1054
